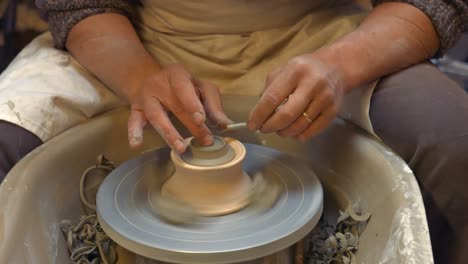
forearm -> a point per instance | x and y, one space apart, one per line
108 46
393 36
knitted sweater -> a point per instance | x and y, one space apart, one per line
450 18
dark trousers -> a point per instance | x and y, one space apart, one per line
419 113
423 116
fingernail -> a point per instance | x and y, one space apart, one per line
179 146
134 141
252 126
135 137
229 121
198 118
207 140
224 123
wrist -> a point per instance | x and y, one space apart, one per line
140 74
393 37
345 66
108 46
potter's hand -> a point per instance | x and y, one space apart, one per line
173 89
300 99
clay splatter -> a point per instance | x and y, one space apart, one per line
11 105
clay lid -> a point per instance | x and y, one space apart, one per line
207 156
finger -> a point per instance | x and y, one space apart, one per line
318 105
275 94
136 123
296 128
320 123
184 89
212 102
158 118
292 110
272 75
201 132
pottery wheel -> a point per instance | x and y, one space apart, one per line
125 212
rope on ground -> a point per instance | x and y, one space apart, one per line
87 243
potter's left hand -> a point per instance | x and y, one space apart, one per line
300 99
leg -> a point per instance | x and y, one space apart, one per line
15 143
423 116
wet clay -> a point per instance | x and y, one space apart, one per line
210 179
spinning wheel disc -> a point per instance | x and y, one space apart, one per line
125 212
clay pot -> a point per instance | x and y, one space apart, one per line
210 179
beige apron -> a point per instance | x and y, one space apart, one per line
233 43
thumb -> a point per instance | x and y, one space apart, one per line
136 123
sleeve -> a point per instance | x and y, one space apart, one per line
62 15
449 17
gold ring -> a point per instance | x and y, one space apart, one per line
307 117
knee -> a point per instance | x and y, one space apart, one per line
418 78
418 107
441 169
449 155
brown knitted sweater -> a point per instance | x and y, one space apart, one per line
450 17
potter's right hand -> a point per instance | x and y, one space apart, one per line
173 89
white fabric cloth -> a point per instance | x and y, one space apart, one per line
46 91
